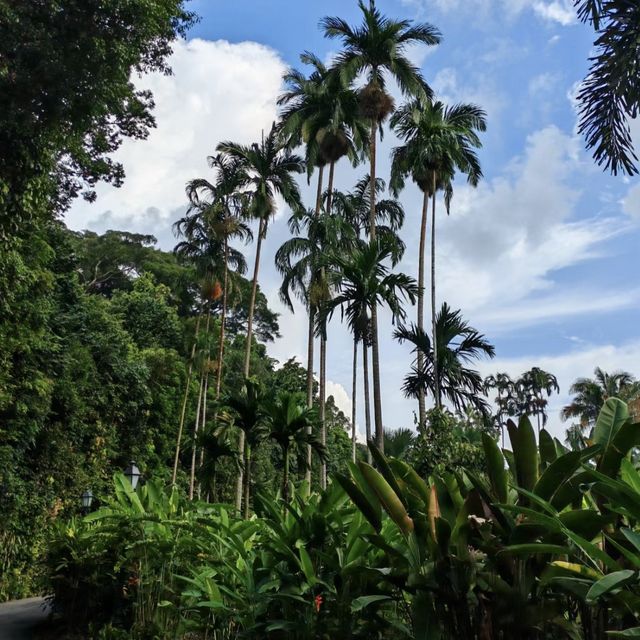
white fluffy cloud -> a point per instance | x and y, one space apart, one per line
218 91
567 367
558 11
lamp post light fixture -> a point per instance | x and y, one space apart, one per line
132 474
86 500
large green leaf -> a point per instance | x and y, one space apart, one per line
383 467
548 451
556 474
525 452
611 581
364 601
390 501
495 467
626 438
634 632
410 477
370 511
613 415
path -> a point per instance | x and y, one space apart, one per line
19 618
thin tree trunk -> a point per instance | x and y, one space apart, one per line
422 408
223 318
310 349
247 484
203 424
323 394
377 400
436 371
184 401
354 391
323 352
367 402
195 434
310 343
285 475
247 353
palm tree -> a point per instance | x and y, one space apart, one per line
591 393
438 141
323 112
377 48
265 170
531 387
398 442
212 220
458 344
246 407
362 281
506 398
216 446
300 261
290 425
355 208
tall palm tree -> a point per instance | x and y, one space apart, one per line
247 409
265 170
300 261
290 424
532 386
321 111
363 280
458 344
506 398
591 393
437 141
354 207
209 225
377 48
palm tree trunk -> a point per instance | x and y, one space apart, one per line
285 475
223 318
377 400
310 358
183 412
323 353
323 395
247 483
203 424
310 343
434 345
422 409
195 434
367 412
354 391
247 353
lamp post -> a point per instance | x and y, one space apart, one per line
132 474
86 499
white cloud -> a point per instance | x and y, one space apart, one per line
218 91
569 366
555 11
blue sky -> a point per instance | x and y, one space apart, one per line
541 257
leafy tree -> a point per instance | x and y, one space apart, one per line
438 141
590 394
66 95
610 94
531 388
290 424
363 280
264 171
459 345
399 442
377 48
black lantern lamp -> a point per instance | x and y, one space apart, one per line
86 499
132 474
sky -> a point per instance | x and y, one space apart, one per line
541 257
